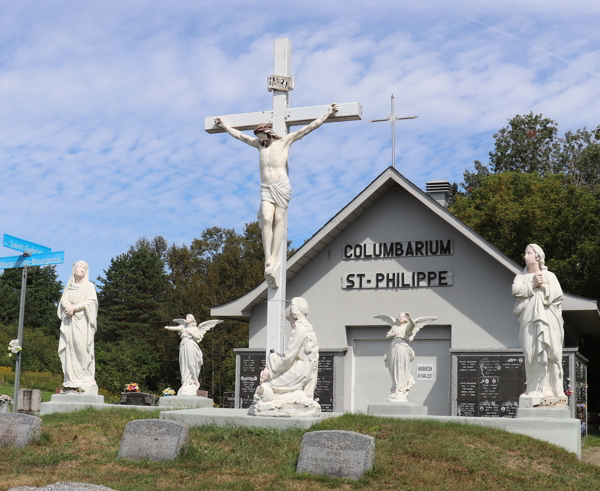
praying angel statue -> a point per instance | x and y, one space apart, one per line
275 187
399 355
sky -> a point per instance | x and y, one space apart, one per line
102 106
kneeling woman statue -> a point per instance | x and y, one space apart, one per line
288 383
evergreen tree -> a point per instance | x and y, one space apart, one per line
41 300
130 338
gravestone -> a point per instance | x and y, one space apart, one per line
336 453
138 399
65 486
229 400
17 430
153 439
30 401
202 393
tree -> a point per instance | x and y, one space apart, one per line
41 300
132 299
217 268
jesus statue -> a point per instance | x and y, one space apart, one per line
275 187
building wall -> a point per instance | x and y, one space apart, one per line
478 306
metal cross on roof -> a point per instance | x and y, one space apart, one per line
392 119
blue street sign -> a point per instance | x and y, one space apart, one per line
24 245
57 257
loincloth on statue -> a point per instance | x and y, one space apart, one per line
279 193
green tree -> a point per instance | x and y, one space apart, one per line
41 300
132 298
218 267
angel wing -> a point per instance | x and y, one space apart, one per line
199 332
181 322
420 323
387 318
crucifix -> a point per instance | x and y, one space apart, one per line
273 141
392 119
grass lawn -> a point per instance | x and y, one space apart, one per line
410 455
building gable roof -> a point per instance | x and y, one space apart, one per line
241 307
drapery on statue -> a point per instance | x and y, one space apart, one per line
275 188
77 310
288 382
190 355
538 306
399 355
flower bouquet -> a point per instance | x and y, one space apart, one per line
4 402
168 392
132 387
14 348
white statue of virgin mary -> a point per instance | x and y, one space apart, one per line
77 311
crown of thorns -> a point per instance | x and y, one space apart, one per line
266 128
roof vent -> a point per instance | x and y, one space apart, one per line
440 191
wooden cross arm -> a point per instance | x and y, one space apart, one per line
296 116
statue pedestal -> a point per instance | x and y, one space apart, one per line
396 409
527 401
68 402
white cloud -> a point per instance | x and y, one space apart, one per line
103 105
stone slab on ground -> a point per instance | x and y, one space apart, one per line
240 417
138 399
17 430
184 402
396 408
336 453
65 486
153 439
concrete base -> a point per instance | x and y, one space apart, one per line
528 401
544 412
87 389
399 408
184 402
240 417
565 433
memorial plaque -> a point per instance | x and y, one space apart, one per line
138 399
250 367
489 385
324 388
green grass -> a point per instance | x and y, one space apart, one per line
410 455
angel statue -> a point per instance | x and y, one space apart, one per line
190 356
399 355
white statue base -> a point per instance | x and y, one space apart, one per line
398 397
535 401
188 390
79 389
397 409
291 405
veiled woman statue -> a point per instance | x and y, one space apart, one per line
399 355
538 306
190 355
288 382
77 311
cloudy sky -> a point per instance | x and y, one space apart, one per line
102 105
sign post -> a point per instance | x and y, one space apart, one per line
33 255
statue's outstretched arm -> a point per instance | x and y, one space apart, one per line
238 135
302 132
174 328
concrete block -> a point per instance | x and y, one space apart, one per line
388 408
17 430
66 403
240 417
30 401
153 439
336 453
184 402
544 412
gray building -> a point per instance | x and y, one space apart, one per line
396 248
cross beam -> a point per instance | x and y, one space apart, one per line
282 116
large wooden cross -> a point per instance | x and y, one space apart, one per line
282 116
